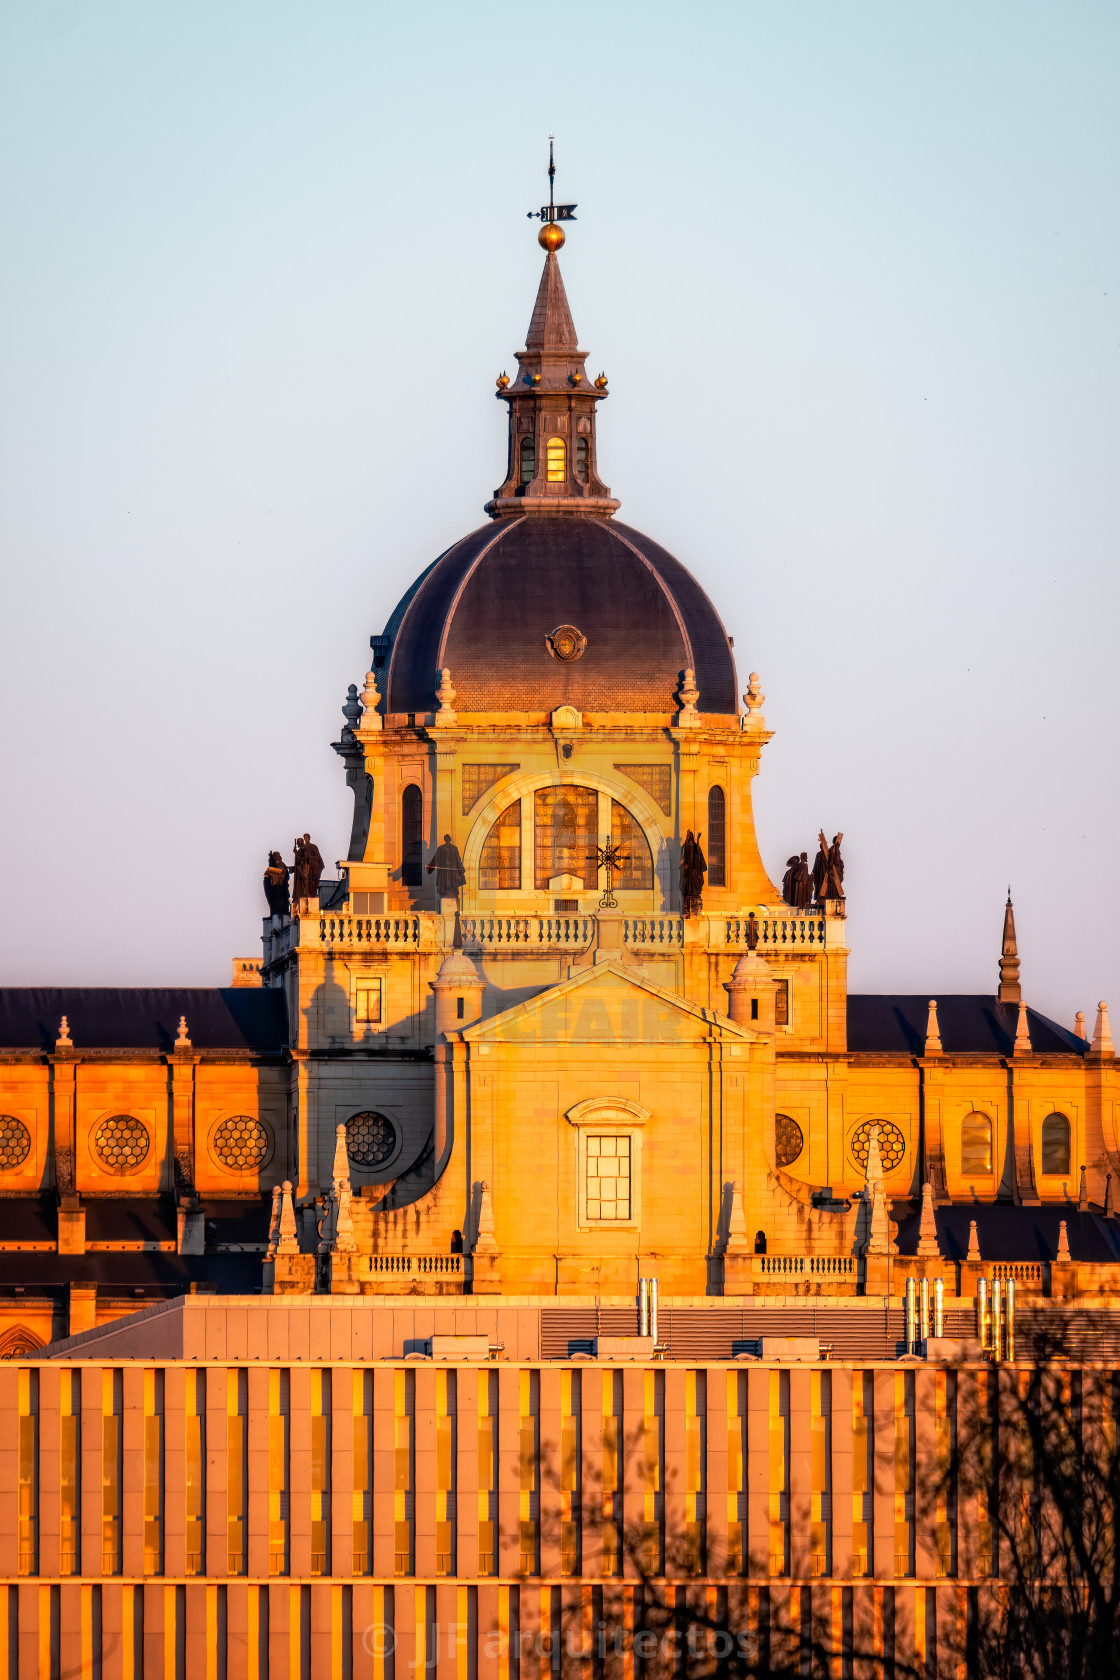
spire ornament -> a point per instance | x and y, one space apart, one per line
551 237
1009 989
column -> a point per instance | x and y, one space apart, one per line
257 1474
92 1436
927 1473
842 1471
299 1499
216 1531
342 1469
175 1472
884 1475
509 1471
758 1471
720 1422
550 1473
591 1469
50 1466
466 1471
384 1477
132 1472
800 1470
424 1426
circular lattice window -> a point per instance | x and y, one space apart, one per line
892 1144
371 1140
789 1140
15 1143
241 1143
121 1143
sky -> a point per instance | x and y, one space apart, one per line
854 272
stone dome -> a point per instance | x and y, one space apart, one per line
499 609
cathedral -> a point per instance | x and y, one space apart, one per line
546 1116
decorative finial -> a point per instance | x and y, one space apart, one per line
927 1228
933 1031
371 700
352 710
287 1238
973 1242
63 1041
551 237
754 699
182 1039
445 694
601 382
1022 1033
1009 989
502 381
1079 1023
1063 1243
688 694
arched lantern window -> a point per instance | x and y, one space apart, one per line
583 459
528 459
556 460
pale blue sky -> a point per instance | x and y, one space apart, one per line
854 271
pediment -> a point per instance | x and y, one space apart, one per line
609 1004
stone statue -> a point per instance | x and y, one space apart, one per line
802 884
309 867
752 932
276 885
789 879
448 865
693 869
828 869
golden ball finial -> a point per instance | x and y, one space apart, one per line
551 237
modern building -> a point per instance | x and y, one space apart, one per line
538 1229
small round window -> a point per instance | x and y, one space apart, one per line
241 1143
15 1143
371 1140
892 1144
121 1143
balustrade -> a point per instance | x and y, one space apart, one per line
557 932
775 931
416 1265
369 930
656 931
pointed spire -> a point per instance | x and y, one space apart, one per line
551 327
973 1242
1079 1024
1102 1033
1022 1033
1063 1243
273 1224
874 1195
1009 989
288 1240
933 1032
340 1168
927 1230
1083 1193
736 1221
485 1241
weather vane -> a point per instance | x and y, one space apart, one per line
609 857
552 212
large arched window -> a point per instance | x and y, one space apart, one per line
567 833
412 836
583 459
500 868
528 459
1055 1146
717 838
556 460
636 874
976 1144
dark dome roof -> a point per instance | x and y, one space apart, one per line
485 609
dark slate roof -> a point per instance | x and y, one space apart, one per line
144 1017
968 1023
1006 1232
484 609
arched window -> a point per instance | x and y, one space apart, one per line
717 838
583 459
567 833
500 868
1055 1145
412 836
556 459
976 1144
636 874
528 459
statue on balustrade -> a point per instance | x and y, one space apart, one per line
309 867
797 883
448 865
828 869
693 869
276 885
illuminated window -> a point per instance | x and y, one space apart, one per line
636 874
528 460
608 1178
500 867
367 1002
1055 1144
556 459
412 836
567 833
717 838
583 459
976 1144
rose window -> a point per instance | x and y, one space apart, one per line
241 1143
15 1143
371 1140
892 1144
121 1143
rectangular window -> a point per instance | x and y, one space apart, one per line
367 1003
781 1003
445 1472
654 779
529 1458
567 834
237 1446
404 1411
321 1472
70 1481
279 1461
863 1471
487 1470
736 1471
479 779
153 1472
111 1414
612 1473
195 1464
28 1560
717 838
608 1178
363 1472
